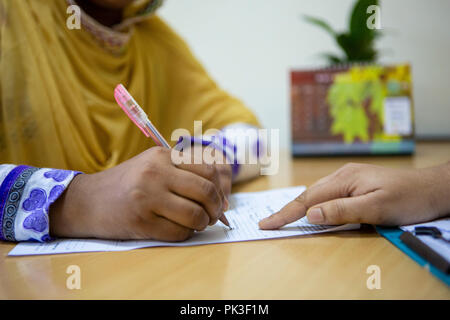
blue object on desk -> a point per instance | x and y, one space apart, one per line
393 235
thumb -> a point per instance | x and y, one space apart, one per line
341 211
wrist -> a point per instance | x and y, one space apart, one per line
67 214
446 189
440 192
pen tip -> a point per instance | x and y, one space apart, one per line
225 221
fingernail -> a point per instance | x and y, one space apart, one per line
261 224
265 223
315 215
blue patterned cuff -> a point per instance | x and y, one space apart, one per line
26 194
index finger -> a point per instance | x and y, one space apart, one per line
194 187
207 171
329 189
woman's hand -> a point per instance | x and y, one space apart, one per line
359 193
218 159
146 197
225 178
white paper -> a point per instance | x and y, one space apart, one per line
247 209
438 245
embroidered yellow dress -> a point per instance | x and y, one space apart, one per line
57 107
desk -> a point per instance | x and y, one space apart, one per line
331 266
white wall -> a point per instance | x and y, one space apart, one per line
249 46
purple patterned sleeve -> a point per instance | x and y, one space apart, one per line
26 194
240 143
219 143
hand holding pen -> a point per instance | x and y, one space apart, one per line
145 197
140 118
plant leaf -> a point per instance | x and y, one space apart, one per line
332 58
346 44
320 23
378 34
357 50
358 20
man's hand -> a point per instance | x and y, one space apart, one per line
146 197
359 193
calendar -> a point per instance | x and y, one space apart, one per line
352 109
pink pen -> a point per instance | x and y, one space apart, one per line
141 120
138 116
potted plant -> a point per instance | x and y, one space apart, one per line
358 42
354 105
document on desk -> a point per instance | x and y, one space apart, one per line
246 210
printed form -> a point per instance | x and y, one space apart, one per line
247 209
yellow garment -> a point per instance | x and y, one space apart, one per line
56 90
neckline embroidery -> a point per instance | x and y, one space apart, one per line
115 38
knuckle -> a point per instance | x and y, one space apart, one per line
151 168
348 170
339 211
350 167
159 151
209 189
210 171
344 167
137 196
198 218
354 165
138 226
181 234
224 170
301 200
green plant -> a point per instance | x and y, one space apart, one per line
358 43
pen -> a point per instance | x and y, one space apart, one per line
138 116
430 231
141 120
425 252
